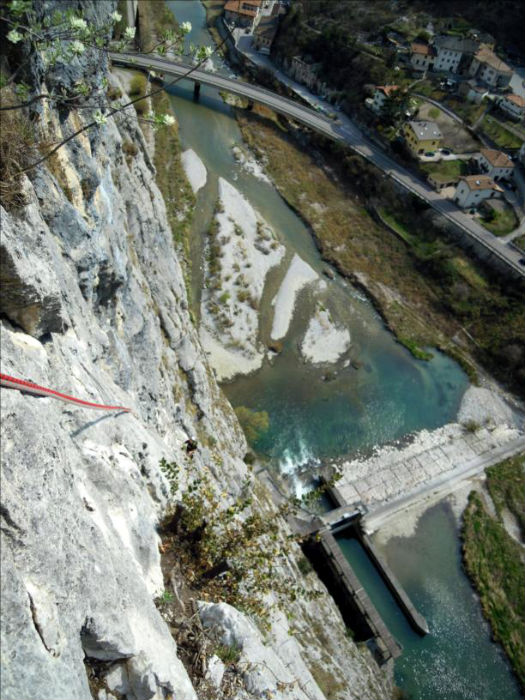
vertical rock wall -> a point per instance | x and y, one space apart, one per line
94 304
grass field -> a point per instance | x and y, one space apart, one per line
493 561
502 137
445 170
503 222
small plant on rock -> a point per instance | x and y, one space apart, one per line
229 549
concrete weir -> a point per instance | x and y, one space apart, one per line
344 516
354 603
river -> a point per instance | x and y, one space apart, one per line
389 395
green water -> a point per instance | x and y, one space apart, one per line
389 395
457 660
381 396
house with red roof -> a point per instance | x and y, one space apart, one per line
513 105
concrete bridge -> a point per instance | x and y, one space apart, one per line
344 131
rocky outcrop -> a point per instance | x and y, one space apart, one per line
96 306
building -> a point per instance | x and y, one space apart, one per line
521 154
305 71
264 33
242 13
473 189
513 105
422 136
421 56
496 164
453 53
482 38
472 92
488 67
381 93
439 181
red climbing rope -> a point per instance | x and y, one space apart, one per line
20 384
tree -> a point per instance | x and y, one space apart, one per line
229 548
65 37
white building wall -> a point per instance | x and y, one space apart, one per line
511 108
466 197
447 60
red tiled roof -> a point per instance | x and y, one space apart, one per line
516 99
486 55
497 159
480 182
423 49
241 7
387 89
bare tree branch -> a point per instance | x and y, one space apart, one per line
116 111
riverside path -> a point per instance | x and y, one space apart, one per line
343 131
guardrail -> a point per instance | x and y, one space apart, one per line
318 122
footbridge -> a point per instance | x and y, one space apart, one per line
344 131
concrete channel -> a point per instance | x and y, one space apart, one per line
344 516
357 609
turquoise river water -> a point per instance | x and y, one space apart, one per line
388 396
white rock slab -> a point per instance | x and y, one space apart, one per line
195 170
299 275
324 341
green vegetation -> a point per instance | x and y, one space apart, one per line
138 87
501 136
468 111
416 351
229 549
511 124
493 560
17 149
445 170
166 597
519 242
430 89
506 485
229 655
155 19
214 9
253 423
500 222
398 227
427 289
170 176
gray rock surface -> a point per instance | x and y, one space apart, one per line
97 308
484 407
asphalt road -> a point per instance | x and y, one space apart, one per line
343 131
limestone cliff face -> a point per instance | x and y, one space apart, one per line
94 304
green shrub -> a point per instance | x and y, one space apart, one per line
228 548
138 85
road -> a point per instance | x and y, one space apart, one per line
442 485
344 131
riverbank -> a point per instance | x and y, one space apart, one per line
429 292
494 562
240 251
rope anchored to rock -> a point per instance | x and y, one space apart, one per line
30 388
